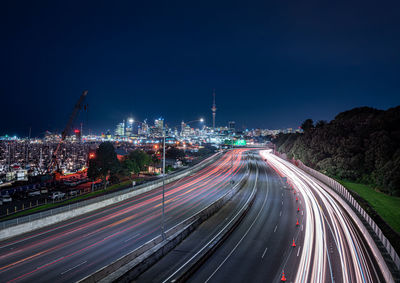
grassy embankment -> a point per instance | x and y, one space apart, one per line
386 206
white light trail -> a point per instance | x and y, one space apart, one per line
323 218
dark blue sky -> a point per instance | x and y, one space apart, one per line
273 63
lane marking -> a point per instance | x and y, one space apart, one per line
73 268
264 252
275 228
301 227
282 202
213 239
109 236
245 234
298 251
280 213
50 262
130 238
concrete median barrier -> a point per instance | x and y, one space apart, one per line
133 264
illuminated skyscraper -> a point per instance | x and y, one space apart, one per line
159 125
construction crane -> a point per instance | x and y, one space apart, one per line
78 106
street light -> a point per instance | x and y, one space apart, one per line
163 190
163 178
201 120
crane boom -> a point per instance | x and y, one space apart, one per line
67 128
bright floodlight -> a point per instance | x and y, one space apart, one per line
201 120
131 120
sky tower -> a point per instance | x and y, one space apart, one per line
214 109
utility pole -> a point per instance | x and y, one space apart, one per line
163 190
232 161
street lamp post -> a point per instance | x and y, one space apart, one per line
232 161
163 191
163 186
201 120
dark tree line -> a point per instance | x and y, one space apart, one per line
362 144
106 164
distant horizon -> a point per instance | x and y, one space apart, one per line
151 123
272 65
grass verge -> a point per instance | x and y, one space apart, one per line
387 207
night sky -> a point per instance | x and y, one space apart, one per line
273 63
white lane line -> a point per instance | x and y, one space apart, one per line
110 235
264 252
275 228
73 267
280 213
301 227
130 238
300 201
298 251
213 239
50 262
245 234
282 202
302 212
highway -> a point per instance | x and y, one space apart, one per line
332 247
71 250
255 249
328 245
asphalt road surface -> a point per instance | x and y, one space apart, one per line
256 248
73 249
332 248
328 245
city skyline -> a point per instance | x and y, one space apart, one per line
147 60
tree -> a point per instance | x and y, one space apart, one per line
136 161
175 153
307 125
362 145
320 124
104 163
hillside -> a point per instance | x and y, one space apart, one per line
361 145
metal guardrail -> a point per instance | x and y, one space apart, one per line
344 193
54 211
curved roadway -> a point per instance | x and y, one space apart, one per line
71 250
332 247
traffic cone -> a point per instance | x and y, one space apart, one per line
283 276
297 223
298 209
293 244
297 199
